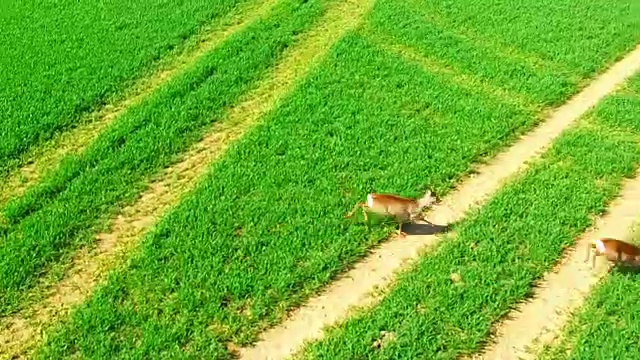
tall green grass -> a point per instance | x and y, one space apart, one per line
492 51
61 59
266 228
545 32
501 249
608 326
63 212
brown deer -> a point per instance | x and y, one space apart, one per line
401 208
616 251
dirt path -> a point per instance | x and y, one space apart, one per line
377 270
538 321
22 331
48 156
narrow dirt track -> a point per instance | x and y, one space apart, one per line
46 158
538 321
353 290
20 332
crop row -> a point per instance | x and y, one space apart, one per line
607 326
62 59
445 305
63 212
265 229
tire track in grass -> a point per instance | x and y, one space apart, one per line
46 157
354 289
77 200
481 40
496 24
564 290
405 22
538 321
606 325
446 304
246 252
23 330
460 77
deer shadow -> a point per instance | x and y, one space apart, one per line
424 229
626 269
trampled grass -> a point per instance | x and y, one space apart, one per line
63 212
62 59
266 228
500 250
505 54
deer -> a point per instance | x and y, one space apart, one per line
616 251
401 208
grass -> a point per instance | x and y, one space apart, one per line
266 228
607 326
607 29
62 59
500 250
433 29
66 208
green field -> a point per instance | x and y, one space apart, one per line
71 203
62 59
502 249
607 325
414 98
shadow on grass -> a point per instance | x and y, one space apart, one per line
424 229
626 269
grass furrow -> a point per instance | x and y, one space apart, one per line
410 26
607 326
409 22
607 29
499 251
265 229
62 59
471 81
64 211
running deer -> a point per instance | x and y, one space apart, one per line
401 208
616 251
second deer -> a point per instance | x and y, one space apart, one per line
616 251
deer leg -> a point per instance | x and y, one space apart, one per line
588 253
422 217
400 232
427 221
358 205
593 259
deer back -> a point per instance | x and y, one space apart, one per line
392 204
